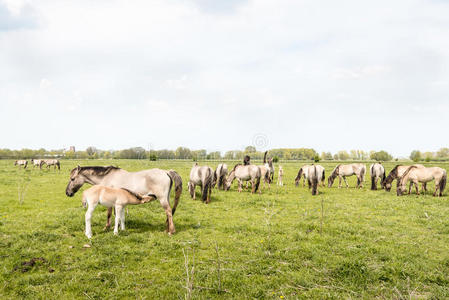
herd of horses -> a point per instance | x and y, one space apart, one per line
39 163
116 188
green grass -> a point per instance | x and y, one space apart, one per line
370 244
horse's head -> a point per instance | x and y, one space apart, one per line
76 180
15 163
330 181
386 185
401 189
298 177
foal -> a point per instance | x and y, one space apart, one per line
281 174
111 197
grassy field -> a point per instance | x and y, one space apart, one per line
278 245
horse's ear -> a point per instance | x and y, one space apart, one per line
78 167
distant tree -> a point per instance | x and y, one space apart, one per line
415 155
428 156
91 150
443 153
343 155
316 158
335 156
275 159
250 149
381 156
183 153
229 155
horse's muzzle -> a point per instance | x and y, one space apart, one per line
69 194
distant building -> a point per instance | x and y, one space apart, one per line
72 148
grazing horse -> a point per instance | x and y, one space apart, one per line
220 176
37 163
21 162
244 173
314 176
304 171
147 182
377 172
265 174
424 175
397 173
269 164
246 160
342 171
110 197
202 176
52 162
280 176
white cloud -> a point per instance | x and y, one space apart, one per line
231 66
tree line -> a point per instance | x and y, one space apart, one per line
202 154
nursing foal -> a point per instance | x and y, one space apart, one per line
111 197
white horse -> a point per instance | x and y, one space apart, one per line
244 173
202 176
110 197
377 172
342 171
220 176
22 162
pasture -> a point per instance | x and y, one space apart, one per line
282 244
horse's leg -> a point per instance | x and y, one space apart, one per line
416 183
108 221
166 206
339 181
240 185
122 219
88 217
118 212
347 185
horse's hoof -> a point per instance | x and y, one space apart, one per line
106 228
115 233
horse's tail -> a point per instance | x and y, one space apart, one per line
314 181
178 188
265 157
324 175
58 164
257 184
373 177
443 183
206 185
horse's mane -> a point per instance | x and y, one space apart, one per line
265 157
139 197
406 172
233 170
99 170
335 171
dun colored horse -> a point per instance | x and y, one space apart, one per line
155 182
377 172
304 171
220 176
423 175
397 173
342 171
202 176
244 173
110 197
22 162
52 162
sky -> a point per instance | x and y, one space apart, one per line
222 75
